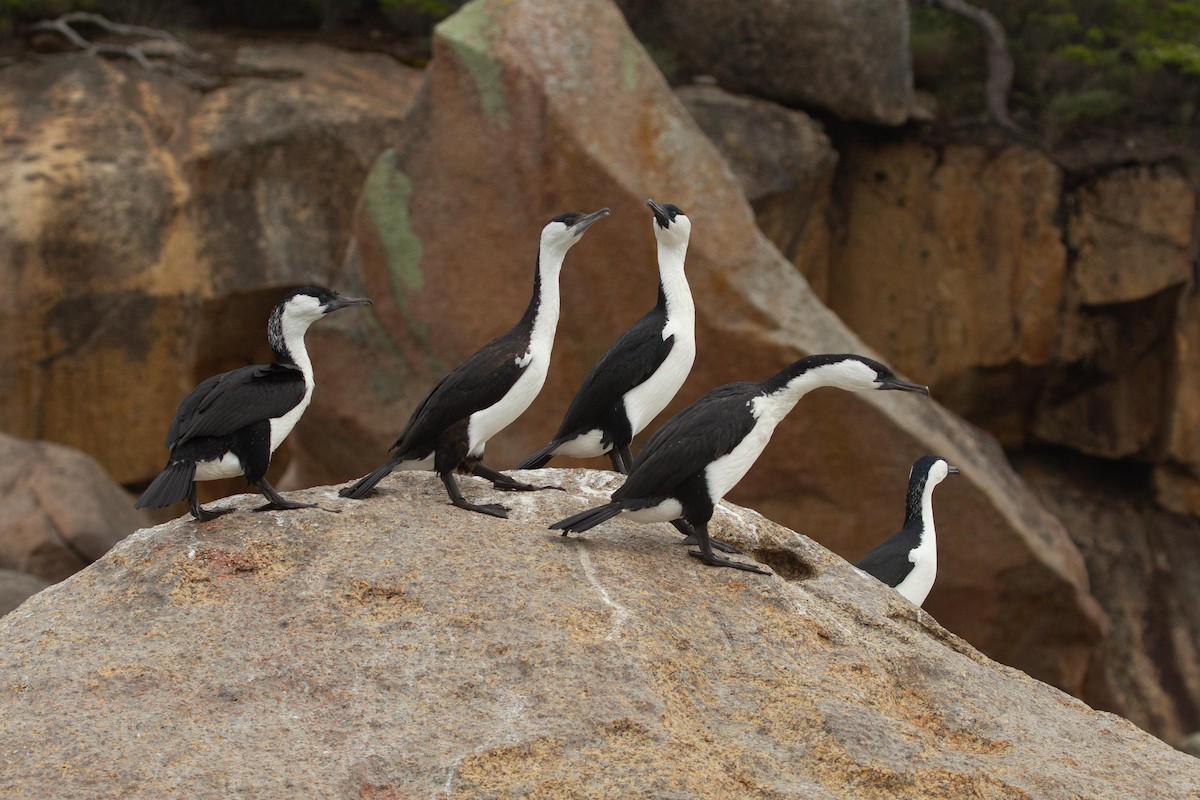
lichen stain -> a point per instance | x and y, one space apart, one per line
473 34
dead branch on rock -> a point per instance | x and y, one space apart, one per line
999 60
149 53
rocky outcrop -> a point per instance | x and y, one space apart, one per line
146 230
1143 563
785 163
403 647
592 123
849 57
59 511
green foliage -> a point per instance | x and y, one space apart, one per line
1079 63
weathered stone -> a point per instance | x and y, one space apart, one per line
951 263
785 164
59 511
16 588
1132 233
591 123
1110 395
1177 477
404 648
1143 564
137 217
850 57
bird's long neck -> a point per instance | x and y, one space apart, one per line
674 294
541 317
286 335
918 508
782 391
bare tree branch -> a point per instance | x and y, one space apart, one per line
137 51
999 60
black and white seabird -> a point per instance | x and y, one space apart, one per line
908 561
483 395
232 423
702 452
642 371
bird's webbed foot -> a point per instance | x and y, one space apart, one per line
717 561
208 515
691 537
507 483
491 509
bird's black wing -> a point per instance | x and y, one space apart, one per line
689 441
889 561
480 381
226 403
633 358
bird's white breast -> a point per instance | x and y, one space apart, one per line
487 422
585 445
646 401
917 584
725 472
282 426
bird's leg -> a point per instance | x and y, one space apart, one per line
504 482
278 501
199 512
626 459
692 538
707 555
618 465
456 497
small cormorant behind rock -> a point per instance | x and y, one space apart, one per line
908 560
702 452
640 374
232 423
483 395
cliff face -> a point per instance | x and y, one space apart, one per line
403 647
148 229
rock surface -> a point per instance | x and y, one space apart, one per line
592 123
404 648
59 511
786 165
850 57
146 230
16 588
1143 563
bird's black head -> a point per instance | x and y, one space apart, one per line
926 473
563 231
664 215
848 371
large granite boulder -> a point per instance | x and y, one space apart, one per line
849 57
405 648
59 511
508 132
146 229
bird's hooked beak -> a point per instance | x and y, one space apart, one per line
903 386
660 214
583 223
341 302
952 470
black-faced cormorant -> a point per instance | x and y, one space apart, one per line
232 423
908 561
642 371
483 395
701 453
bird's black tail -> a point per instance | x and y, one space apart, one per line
172 485
586 520
539 459
361 489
